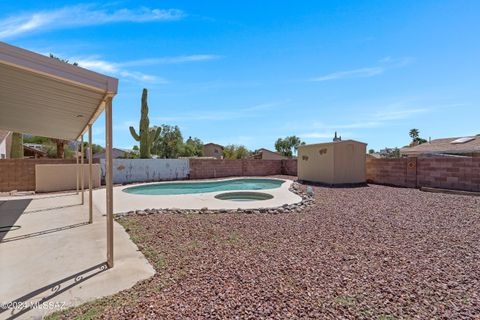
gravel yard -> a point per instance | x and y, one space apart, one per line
367 252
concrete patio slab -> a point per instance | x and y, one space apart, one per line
124 202
56 259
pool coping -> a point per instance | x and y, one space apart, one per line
126 202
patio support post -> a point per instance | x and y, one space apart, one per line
82 169
108 179
90 183
78 172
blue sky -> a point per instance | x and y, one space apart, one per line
248 72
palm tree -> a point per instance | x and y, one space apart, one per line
414 134
60 148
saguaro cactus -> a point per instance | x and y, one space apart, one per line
146 135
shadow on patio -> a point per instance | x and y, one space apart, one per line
41 297
10 211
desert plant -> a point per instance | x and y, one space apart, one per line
146 135
169 142
233 151
17 146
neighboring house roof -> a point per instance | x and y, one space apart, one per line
37 146
116 153
213 144
3 134
328 143
457 145
34 151
259 154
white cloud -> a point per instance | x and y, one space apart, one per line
388 115
172 60
79 16
367 72
357 73
120 68
115 69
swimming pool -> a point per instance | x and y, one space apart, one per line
172 188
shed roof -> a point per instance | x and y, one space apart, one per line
331 143
47 97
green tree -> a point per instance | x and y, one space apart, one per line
63 60
169 144
147 136
371 151
95 149
288 146
415 135
17 146
192 148
233 151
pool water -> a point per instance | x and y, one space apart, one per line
172 188
244 196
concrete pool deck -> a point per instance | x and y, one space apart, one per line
124 202
58 258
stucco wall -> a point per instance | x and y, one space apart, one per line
315 163
349 162
3 149
212 150
60 177
332 163
145 170
268 155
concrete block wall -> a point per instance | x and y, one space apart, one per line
206 168
19 174
261 167
441 172
289 167
387 171
449 173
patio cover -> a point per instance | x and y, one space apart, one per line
43 96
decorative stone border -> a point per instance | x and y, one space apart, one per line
308 200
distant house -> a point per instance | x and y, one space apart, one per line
265 154
213 150
116 153
463 146
35 151
34 146
5 144
387 153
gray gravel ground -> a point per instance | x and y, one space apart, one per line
358 253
